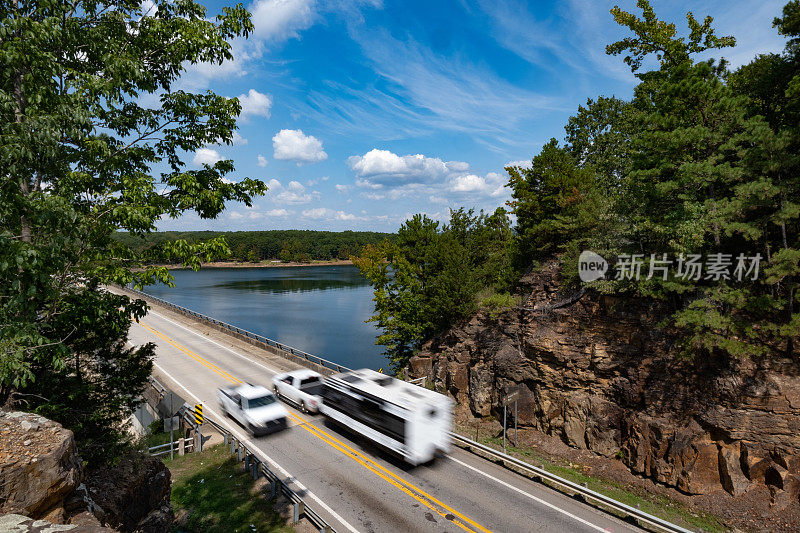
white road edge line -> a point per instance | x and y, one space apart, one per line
263 455
531 496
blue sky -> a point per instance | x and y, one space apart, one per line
359 113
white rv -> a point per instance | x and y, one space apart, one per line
410 421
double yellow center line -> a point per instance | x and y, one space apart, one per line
443 510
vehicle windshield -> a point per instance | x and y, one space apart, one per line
253 403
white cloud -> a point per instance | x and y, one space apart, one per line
425 89
295 145
198 76
385 175
315 181
524 163
467 183
238 140
206 156
493 184
262 161
280 20
375 196
329 214
343 189
293 193
254 103
317 212
382 167
277 213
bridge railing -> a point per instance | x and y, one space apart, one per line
253 338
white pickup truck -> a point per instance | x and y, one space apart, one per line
255 407
301 387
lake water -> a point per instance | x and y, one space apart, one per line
318 309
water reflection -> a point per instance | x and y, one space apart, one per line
321 310
291 284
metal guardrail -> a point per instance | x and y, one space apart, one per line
163 449
587 493
258 468
330 365
472 446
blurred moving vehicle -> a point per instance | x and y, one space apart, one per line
255 407
409 421
300 387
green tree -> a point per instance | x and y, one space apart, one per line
429 276
700 161
83 156
599 136
706 177
555 201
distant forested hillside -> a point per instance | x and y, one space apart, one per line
286 245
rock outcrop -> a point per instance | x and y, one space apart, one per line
133 495
39 465
43 481
601 374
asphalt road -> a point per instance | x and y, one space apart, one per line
352 484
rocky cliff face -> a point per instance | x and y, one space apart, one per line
601 375
42 482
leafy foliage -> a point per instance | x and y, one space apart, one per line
700 161
430 275
555 201
254 246
83 156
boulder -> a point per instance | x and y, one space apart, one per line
39 465
133 495
730 469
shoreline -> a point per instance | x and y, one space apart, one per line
261 264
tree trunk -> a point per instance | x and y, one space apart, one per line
24 186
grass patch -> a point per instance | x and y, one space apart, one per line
653 504
212 492
496 302
156 435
